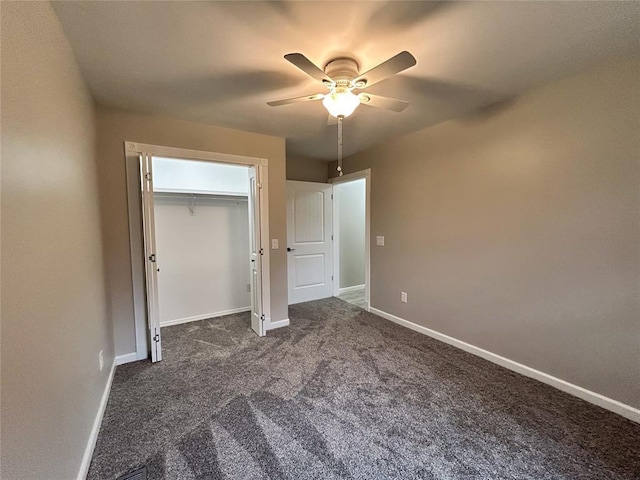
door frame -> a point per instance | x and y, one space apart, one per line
132 151
366 175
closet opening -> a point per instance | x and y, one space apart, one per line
351 200
202 239
203 220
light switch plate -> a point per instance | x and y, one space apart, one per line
380 241
274 244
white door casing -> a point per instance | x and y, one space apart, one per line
150 257
141 224
309 241
256 253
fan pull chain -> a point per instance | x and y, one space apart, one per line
339 168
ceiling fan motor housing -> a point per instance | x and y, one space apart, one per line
342 70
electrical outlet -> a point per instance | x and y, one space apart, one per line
403 297
274 244
101 359
380 241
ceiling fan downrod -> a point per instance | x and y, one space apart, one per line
339 167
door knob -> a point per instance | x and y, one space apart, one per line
290 249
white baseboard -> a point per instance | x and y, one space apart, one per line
93 436
615 406
278 324
126 358
205 316
131 357
353 288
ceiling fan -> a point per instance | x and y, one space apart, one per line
341 77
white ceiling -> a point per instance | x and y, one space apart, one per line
220 62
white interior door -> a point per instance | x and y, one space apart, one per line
150 257
309 241
256 253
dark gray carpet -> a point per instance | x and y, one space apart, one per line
342 393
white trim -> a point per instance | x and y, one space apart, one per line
127 358
366 174
131 357
278 324
348 177
93 436
342 291
190 154
335 224
615 406
205 316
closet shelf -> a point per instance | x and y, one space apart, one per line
235 196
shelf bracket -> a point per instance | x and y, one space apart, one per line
192 206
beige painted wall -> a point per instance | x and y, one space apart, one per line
116 126
518 232
306 169
55 319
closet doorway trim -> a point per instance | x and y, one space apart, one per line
133 150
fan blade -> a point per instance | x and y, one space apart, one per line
287 101
308 67
387 103
331 121
394 65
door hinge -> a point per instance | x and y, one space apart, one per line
332 196
152 258
262 317
332 278
147 176
261 251
331 237
259 185
156 338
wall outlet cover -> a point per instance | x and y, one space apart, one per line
403 297
274 244
101 359
380 241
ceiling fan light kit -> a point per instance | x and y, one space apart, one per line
341 102
341 76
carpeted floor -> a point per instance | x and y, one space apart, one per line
342 393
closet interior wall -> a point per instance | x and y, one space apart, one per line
350 200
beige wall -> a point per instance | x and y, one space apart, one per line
306 169
54 311
518 232
116 126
